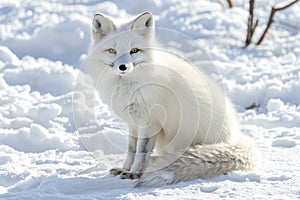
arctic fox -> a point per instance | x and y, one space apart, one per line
181 124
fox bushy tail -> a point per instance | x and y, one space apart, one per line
199 161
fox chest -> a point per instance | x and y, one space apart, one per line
128 103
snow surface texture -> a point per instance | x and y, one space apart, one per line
42 44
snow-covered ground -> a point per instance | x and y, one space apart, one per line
43 43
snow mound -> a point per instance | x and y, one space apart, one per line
36 138
72 41
7 56
274 105
42 76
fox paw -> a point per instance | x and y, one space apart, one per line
129 175
116 171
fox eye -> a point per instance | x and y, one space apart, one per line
134 50
112 51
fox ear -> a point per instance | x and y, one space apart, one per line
143 23
102 26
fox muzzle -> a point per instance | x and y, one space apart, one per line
123 64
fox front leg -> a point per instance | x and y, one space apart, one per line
145 146
132 142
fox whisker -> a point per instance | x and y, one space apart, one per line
139 62
108 63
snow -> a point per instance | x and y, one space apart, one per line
42 45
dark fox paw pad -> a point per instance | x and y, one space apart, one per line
129 175
116 171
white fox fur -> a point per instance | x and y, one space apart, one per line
169 105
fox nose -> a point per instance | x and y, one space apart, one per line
122 67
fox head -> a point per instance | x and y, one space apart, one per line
123 46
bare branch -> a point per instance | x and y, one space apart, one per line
267 27
230 4
250 28
286 6
270 21
255 25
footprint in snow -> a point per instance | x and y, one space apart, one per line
279 178
284 143
209 188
